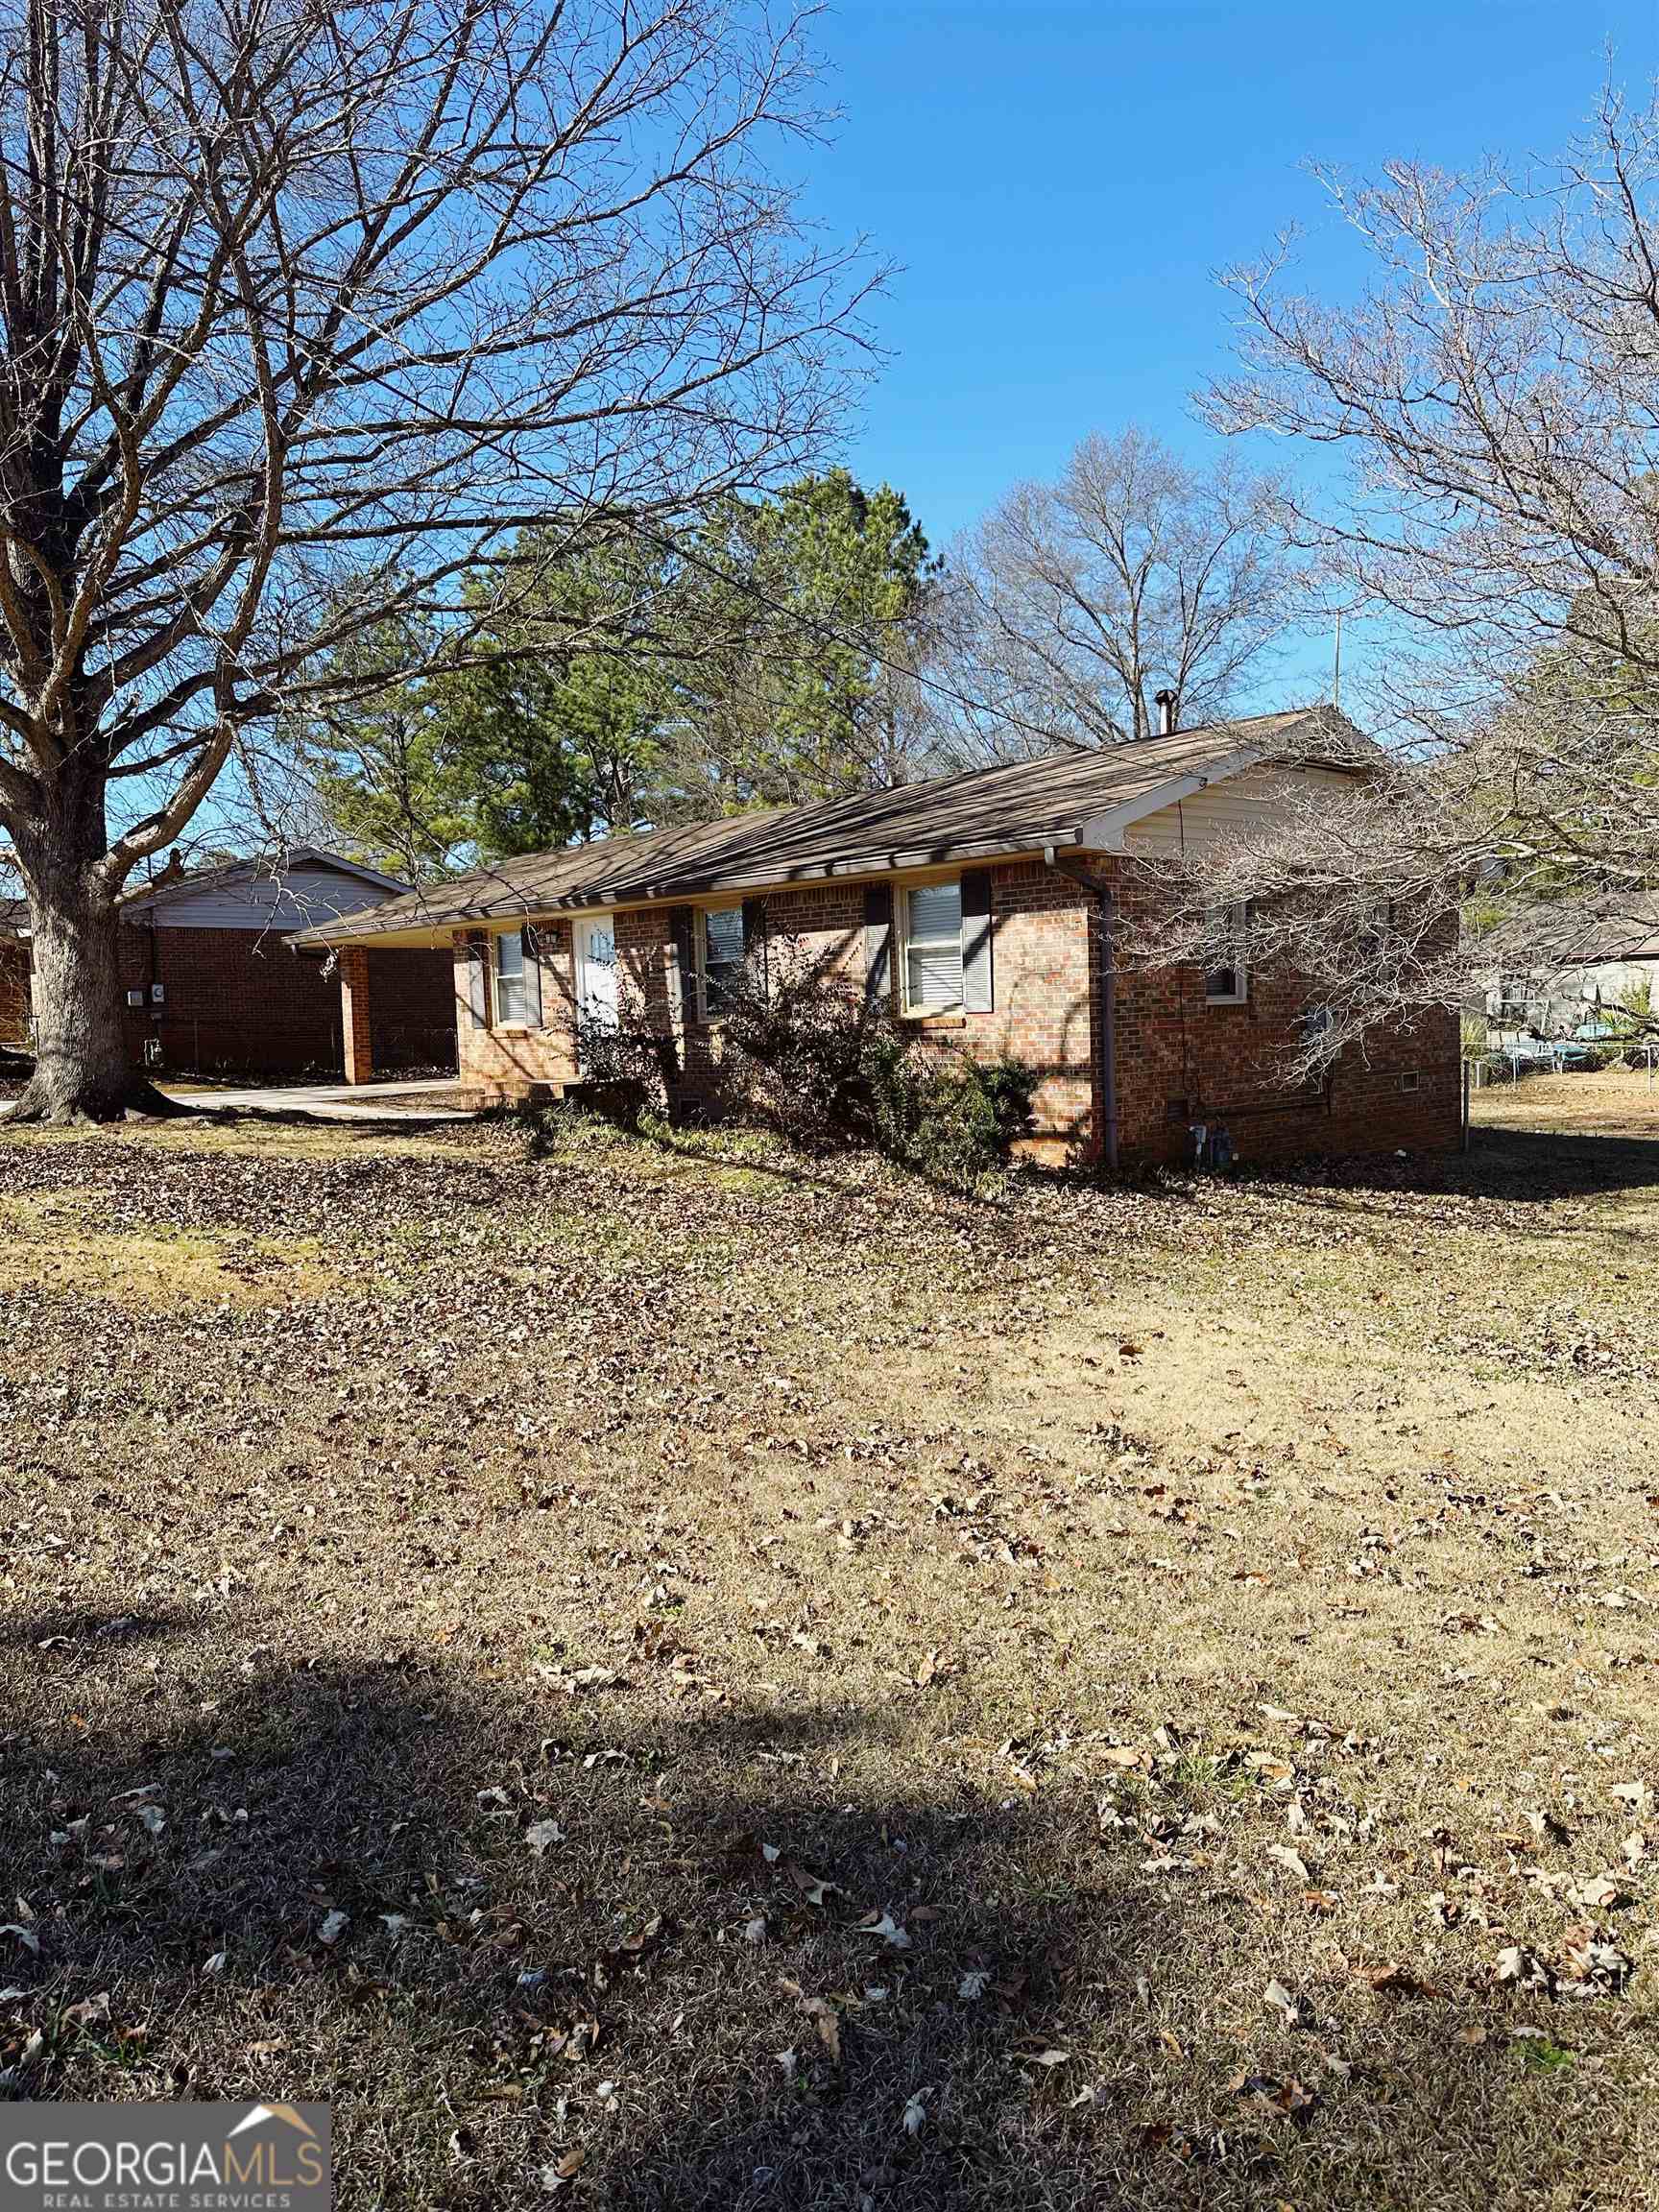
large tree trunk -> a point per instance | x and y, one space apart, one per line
82 1070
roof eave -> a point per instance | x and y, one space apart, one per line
867 867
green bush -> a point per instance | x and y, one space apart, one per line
806 1052
952 1120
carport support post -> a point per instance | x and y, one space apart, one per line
354 1015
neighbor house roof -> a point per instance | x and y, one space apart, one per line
144 899
1606 935
190 882
1069 798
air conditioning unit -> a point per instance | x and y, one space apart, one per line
134 997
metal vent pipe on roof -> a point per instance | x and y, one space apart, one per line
1165 702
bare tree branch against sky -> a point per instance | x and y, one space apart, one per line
1495 392
307 310
1077 601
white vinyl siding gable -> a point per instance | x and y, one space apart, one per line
299 899
1233 808
932 971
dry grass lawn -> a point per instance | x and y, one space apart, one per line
665 1674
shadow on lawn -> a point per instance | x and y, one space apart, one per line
667 1940
1560 1164
72 1628
1526 1165
373 1122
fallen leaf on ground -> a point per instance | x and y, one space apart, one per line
1279 2000
887 1928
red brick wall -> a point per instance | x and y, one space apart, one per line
239 1002
411 1008
14 991
1182 1061
1179 1060
1039 989
1040 953
507 1063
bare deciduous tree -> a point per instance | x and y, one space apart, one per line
1495 391
1496 394
1076 602
307 309
1519 852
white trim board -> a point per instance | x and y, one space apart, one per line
1105 833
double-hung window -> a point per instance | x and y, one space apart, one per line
722 957
518 981
1227 981
933 949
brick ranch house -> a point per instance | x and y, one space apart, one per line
212 987
981 906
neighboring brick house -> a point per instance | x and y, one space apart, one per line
985 906
13 971
213 987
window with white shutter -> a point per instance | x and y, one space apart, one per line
933 949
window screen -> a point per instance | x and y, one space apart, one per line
933 948
511 997
1225 984
722 954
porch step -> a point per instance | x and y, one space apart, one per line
603 1097
482 1094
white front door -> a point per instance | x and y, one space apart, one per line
597 1000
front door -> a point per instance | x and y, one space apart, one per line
597 999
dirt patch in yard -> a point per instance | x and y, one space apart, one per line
688 1678
1620 1103
48 1246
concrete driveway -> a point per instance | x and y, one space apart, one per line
438 1100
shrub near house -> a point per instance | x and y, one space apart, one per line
805 1051
978 911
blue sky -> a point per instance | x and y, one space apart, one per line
1061 182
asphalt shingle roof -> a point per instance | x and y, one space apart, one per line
1016 809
